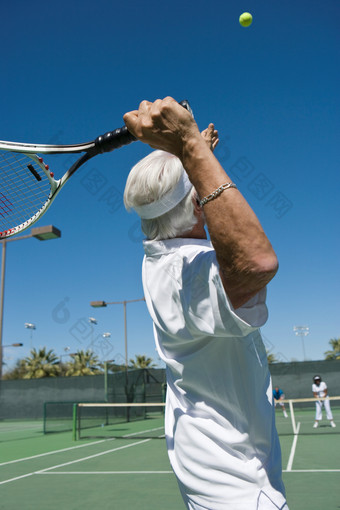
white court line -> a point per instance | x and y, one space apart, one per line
74 461
107 473
53 452
16 478
21 429
167 472
92 456
292 451
75 447
313 471
144 432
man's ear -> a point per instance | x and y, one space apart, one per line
196 202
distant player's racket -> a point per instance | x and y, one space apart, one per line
27 184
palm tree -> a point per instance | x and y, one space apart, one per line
41 363
335 353
17 372
83 363
142 361
271 358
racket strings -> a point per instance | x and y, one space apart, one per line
21 193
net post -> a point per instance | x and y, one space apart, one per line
106 381
74 422
44 418
164 388
144 384
292 416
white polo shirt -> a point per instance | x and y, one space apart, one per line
320 390
220 430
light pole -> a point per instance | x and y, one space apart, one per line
31 327
106 370
101 304
93 322
42 234
302 331
67 353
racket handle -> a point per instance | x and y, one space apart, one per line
122 136
186 105
114 139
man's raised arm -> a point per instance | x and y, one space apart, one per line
246 258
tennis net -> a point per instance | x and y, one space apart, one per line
119 420
301 417
57 416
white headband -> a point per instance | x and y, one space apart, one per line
167 202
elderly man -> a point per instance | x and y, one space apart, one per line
207 302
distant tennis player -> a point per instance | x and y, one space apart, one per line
278 397
207 302
320 392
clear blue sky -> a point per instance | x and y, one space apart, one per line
71 69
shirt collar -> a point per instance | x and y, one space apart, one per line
152 248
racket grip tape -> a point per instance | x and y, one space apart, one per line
114 139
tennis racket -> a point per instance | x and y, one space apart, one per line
27 184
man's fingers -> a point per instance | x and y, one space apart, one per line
130 120
147 111
162 124
214 143
210 135
144 106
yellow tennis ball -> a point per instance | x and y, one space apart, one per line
246 19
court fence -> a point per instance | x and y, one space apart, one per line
25 399
296 378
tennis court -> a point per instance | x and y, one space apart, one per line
54 471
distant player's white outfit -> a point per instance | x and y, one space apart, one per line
320 390
219 424
278 397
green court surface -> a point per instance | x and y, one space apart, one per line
52 471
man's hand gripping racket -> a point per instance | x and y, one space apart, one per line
27 184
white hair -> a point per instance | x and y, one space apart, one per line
148 181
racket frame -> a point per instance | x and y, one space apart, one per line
103 143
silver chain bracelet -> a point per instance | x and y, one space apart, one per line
217 192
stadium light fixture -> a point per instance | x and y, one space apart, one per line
46 233
29 325
98 304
